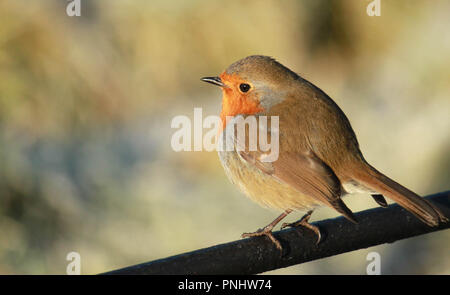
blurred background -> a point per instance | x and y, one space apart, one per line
86 105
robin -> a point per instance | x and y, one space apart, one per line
319 158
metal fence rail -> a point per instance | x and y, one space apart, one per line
255 255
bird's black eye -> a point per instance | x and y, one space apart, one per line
244 87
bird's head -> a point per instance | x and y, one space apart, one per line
252 85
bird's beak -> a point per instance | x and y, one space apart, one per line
214 80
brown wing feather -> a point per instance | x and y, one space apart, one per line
311 176
307 174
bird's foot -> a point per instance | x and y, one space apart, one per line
266 231
304 222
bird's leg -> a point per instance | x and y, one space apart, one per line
304 222
267 230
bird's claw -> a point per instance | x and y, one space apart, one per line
264 232
304 222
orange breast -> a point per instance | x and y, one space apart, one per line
234 102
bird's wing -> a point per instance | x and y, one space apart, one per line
302 170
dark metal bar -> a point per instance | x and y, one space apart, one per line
255 255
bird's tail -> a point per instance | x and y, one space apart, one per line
422 208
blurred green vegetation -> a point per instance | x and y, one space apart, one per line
86 104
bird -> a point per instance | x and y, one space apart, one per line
319 159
